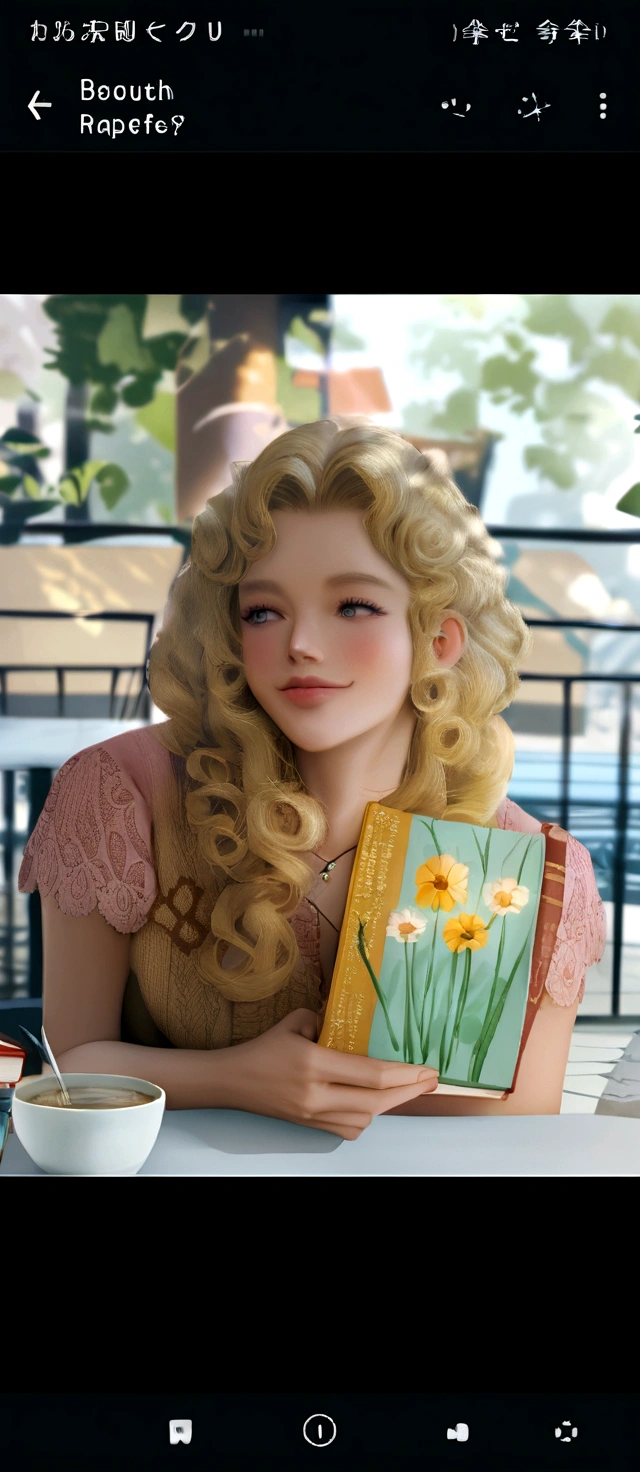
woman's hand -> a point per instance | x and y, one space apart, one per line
285 1074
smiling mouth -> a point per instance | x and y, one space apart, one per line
312 685
311 694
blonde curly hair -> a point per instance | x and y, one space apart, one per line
248 805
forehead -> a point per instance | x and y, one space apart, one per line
323 542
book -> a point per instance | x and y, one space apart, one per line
436 947
12 1060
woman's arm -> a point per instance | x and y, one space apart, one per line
540 1078
86 965
282 1073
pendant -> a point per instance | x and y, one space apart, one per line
326 875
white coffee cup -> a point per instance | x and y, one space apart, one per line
87 1142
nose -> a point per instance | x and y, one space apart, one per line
304 642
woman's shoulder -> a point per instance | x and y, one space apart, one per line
510 816
139 752
92 844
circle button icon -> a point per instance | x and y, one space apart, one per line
319 1430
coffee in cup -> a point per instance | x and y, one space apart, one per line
92 1098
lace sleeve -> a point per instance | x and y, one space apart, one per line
92 843
582 928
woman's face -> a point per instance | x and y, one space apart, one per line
325 636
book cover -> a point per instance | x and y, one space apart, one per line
435 951
12 1060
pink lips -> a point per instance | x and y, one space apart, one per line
305 695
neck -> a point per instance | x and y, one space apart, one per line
346 777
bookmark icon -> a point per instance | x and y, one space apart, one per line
179 1431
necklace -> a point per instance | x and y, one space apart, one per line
331 863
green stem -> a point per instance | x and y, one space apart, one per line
428 980
452 982
413 995
452 1038
379 993
435 841
463 996
524 859
489 1030
407 1010
485 863
487 1015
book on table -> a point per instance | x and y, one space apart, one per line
12 1060
435 953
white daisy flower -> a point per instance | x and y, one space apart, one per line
406 925
504 895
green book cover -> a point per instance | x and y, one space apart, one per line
436 946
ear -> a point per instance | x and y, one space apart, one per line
449 644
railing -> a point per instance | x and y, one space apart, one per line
60 670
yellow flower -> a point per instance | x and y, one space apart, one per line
406 925
465 933
443 883
503 895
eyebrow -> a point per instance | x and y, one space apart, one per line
264 585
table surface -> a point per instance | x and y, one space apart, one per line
220 1142
27 741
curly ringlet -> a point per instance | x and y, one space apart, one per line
248 807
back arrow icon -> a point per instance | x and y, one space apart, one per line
34 102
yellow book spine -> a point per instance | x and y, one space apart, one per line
374 891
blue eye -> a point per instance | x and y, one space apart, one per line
349 605
257 615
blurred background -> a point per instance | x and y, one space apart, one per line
120 415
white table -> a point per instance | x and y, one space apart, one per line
27 741
212 1142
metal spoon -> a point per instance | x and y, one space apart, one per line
45 1050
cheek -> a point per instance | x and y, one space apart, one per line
259 647
378 646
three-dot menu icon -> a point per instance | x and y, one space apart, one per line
603 106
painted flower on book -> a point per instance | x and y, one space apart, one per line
505 895
465 933
406 925
442 883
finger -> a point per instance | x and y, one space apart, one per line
357 1121
371 1101
302 1021
371 1073
345 1131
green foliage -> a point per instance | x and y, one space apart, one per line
72 488
100 342
342 337
299 405
159 419
460 414
630 502
305 334
501 360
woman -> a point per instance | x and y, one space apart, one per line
340 635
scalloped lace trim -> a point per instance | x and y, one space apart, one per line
87 849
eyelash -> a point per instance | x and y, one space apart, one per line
344 603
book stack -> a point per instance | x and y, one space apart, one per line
12 1059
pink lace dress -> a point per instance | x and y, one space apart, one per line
112 834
